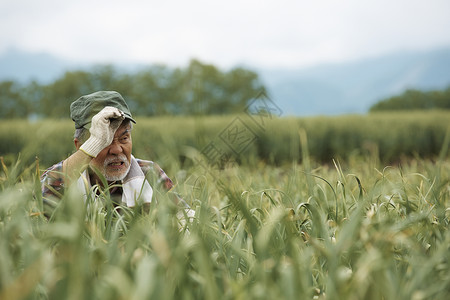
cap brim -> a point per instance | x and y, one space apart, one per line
131 119
88 125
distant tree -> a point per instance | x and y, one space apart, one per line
240 85
150 91
198 89
13 104
58 95
32 95
207 90
415 100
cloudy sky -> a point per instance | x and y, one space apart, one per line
272 33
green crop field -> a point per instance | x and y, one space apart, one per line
353 207
388 137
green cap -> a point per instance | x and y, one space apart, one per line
84 108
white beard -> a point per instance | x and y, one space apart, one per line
116 177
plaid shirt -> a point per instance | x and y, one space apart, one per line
52 183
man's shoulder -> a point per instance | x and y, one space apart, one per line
150 167
55 170
145 165
52 184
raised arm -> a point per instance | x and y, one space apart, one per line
103 127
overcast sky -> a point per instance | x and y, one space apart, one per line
273 33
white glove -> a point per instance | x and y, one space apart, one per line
103 127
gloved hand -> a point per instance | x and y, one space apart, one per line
103 127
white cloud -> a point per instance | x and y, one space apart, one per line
270 33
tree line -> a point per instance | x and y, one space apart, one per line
413 99
197 89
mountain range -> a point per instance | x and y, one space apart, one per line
327 89
353 87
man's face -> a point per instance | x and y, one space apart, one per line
115 160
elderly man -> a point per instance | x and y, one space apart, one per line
103 124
